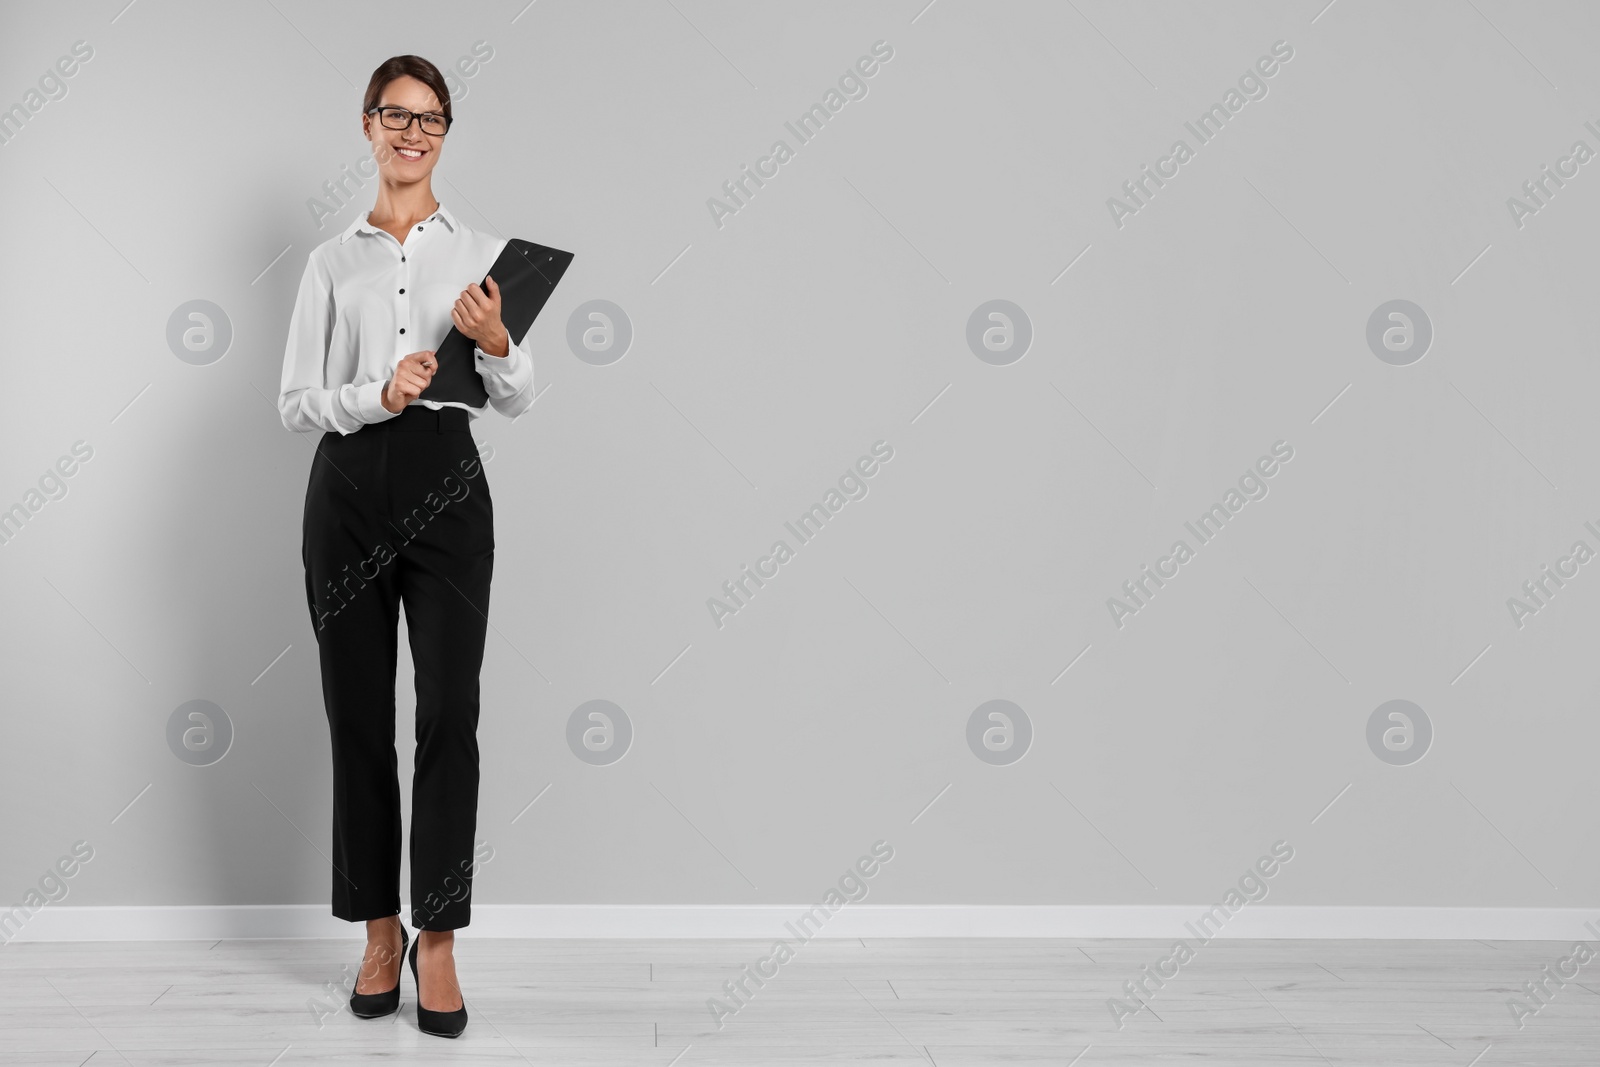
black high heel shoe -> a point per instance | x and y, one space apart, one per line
376 1005
437 1023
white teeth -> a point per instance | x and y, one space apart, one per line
409 154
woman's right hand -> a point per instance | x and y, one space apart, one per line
411 376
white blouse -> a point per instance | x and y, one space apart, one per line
365 301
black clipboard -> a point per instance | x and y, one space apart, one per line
527 274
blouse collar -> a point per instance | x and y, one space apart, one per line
361 225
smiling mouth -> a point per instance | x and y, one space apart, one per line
409 153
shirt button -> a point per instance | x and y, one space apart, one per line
419 229
402 329
402 290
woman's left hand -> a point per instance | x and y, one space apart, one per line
477 315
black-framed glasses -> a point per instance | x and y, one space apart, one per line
398 118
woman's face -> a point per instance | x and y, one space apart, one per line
397 150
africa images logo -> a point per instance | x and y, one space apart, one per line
1206 128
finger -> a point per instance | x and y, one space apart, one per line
473 297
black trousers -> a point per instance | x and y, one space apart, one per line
397 513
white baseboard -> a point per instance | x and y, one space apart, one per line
762 922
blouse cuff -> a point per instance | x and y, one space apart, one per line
369 402
508 366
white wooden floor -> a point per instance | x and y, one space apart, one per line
948 1002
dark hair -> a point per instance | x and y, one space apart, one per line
399 67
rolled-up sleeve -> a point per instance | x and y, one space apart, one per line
508 379
304 400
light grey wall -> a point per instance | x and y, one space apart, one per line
1168 354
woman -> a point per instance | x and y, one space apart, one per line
398 512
